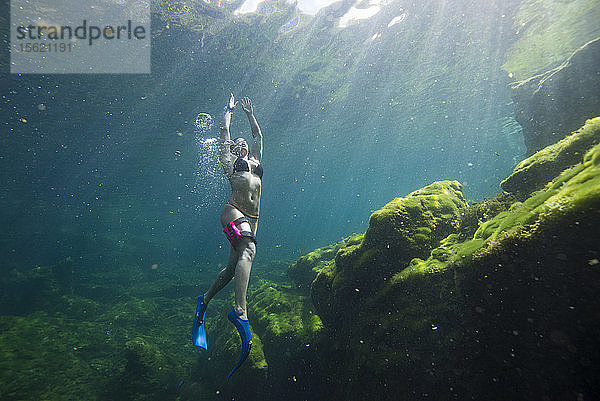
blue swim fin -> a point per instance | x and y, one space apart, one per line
243 328
199 329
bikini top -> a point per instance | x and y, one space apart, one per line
242 165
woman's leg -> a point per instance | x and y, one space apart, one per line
240 261
224 276
247 250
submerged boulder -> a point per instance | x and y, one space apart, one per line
415 224
148 370
284 359
282 313
41 288
509 312
305 269
537 170
403 229
574 191
551 105
288 326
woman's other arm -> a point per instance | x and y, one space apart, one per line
225 156
256 133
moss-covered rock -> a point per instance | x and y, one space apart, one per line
280 311
537 170
403 229
35 289
149 372
305 269
286 322
479 212
551 105
415 224
576 188
468 322
48 357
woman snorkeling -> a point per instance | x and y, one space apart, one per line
239 219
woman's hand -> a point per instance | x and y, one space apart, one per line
247 106
232 103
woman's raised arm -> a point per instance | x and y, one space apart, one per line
256 133
225 137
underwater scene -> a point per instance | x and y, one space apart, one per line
429 219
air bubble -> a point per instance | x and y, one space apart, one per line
203 123
210 179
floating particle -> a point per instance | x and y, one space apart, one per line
593 262
41 107
154 266
179 133
178 152
470 164
23 120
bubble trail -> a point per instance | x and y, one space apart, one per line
210 180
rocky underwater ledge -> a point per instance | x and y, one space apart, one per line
441 300
438 299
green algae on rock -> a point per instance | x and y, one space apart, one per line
41 354
290 330
414 224
305 269
576 188
403 229
279 310
286 322
147 367
479 305
482 211
537 170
